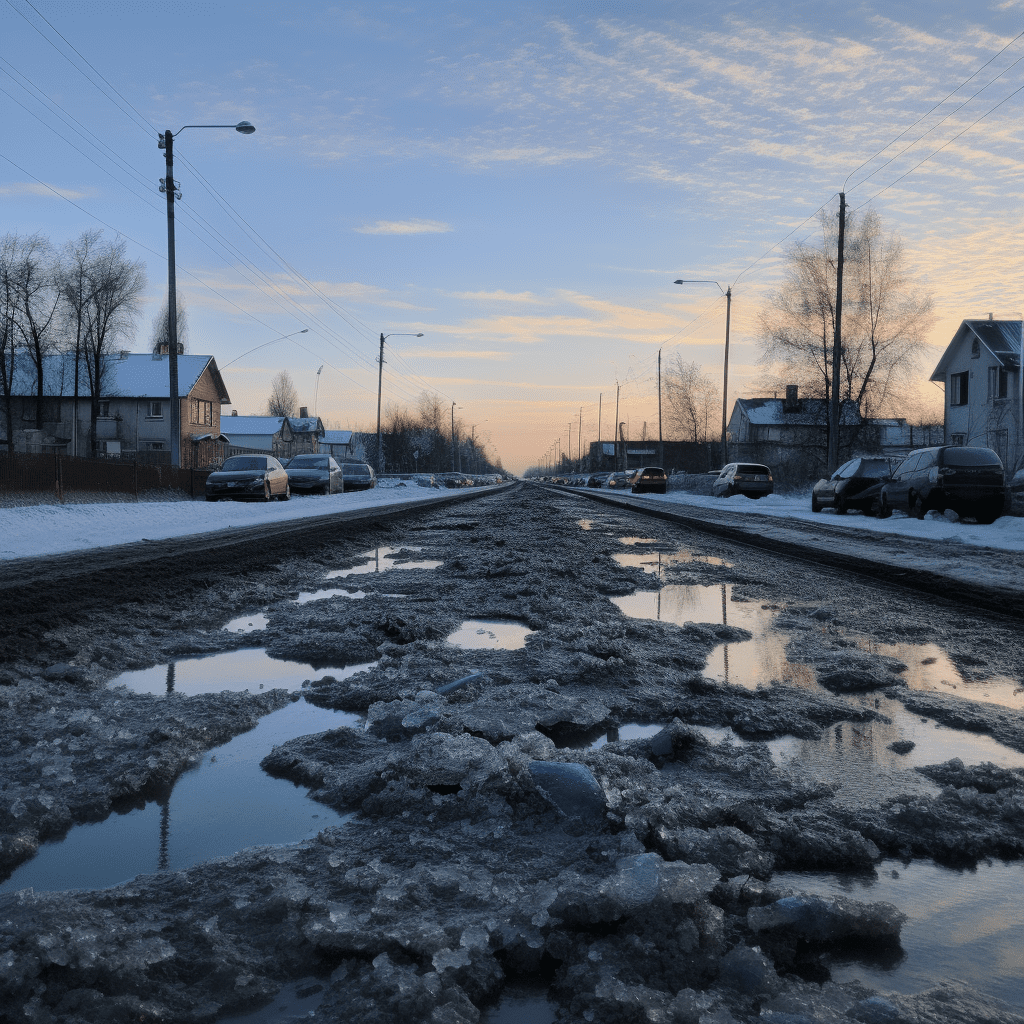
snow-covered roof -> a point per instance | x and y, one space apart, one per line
337 437
263 426
1002 338
305 424
134 375
811 412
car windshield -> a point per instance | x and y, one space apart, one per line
308 462
357 471
244 462
873 467
752 469
970 457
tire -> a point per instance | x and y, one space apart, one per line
815 504
210 497
986 515
840 507
287 493
918 508
883 508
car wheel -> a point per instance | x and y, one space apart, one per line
287 493
210 497
917 508
815 504
987 514
840 507
883 508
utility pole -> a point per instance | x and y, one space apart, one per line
725 379
615 432
169 186
380 381
600 397
835 413
661 443
453 436
579 443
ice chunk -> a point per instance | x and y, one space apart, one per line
748 971
828 919
571 788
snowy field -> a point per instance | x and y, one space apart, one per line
35 530
1005 534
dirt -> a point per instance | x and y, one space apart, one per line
492 844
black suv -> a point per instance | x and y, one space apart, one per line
969 481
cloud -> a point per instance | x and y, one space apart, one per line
498 296
405 227
436 353
36 188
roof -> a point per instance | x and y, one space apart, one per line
1002 338
337 437
305 424
135 375
264 426
812 412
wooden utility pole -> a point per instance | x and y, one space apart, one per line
615 432
579 442
835 407
661 443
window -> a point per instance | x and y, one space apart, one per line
996 383
202 412
155 411
153 446
958 388
975 349
104 409
958 440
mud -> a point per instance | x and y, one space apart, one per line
492 849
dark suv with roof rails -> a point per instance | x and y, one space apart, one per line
968 481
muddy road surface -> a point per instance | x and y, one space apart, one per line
526 758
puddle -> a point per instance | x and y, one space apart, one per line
585 524
320 595
856 755
380 560
522 1005
476 634
252 669
630 731
297 1001
224 805
657 561
746 663
962 925
929 667
247 623
630 541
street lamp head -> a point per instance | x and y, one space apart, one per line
245 127
419 335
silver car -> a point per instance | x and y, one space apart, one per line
314 474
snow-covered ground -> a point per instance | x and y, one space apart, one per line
1005 534
36 530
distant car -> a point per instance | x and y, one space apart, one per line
597 479
750 479
619 481
357 476
969 481
249 478
650 480
856 484
314 474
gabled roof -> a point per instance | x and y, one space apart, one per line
337 437
251 426
306 424
1001 338
133 375
812 412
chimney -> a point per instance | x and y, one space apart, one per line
990 316
234 412
303 412
791 402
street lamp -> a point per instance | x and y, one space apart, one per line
380 381
169 186
727 292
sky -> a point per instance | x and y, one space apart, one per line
519 183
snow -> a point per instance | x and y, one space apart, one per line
37 530
1005 534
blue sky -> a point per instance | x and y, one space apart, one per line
520 183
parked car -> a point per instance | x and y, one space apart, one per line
357 476
597 479
856 484
650 480
743 478
620 481
250 478
968 481
314 474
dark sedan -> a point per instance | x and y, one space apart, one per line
357 476
249 478
314 474
749 479
856 484
650 480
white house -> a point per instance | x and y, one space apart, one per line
980 370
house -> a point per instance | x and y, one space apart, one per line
133 409
980 371
280 436
337 443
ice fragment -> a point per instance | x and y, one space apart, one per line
571 788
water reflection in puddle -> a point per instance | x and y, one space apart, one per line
761 659
380 560
226 804
629 731
247 623
631 541
930 668
297 1001
321 595
520 1005
657 562
476 634
963 925
252 669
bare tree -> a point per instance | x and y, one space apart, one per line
885 317
692 398
283 396
161 341
8 331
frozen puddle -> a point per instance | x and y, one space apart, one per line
320 595
477 634
657 562
247 623
380 560
521 1006
962 925
252 669
630 731
747 663
296 1001
226 804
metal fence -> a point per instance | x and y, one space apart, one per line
66 474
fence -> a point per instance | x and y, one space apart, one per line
65 474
